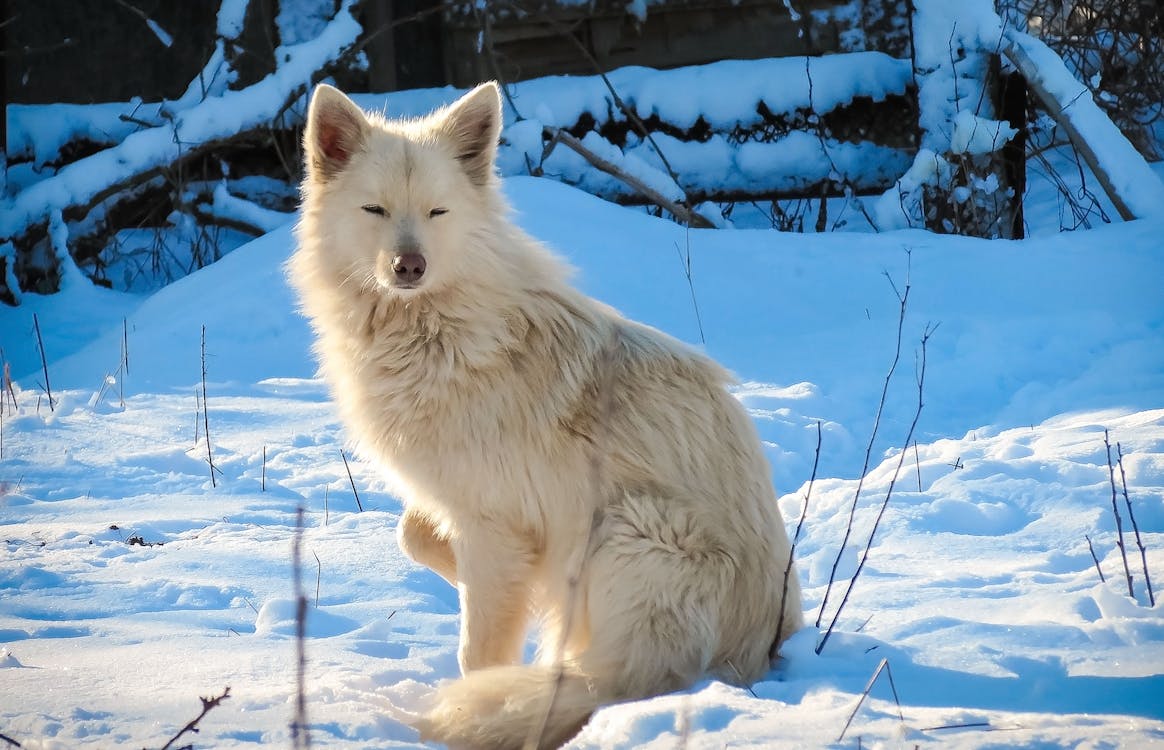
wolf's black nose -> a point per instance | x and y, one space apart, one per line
408 267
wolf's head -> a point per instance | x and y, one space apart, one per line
396 204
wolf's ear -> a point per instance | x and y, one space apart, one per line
473 123
336 129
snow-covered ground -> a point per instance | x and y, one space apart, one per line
979 590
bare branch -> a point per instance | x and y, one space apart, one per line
208 704
681 212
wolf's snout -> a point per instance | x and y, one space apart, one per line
408 267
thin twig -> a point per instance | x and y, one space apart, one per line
263 481
686 261
206 413
124 359
300 736
318 576
968 725
207 705
1135 526
355 492
1115 510
485 21
821 136
6 738
1096 559
43 361
197 416
7 387
903 299
631 115
917 463
884 665
775 648
921 379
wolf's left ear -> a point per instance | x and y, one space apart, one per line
473 123
336 130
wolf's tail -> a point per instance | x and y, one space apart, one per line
508 708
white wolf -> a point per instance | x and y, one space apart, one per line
557 461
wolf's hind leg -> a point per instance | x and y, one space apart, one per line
420 539
656 588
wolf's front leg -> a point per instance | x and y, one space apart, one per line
420 539
496 572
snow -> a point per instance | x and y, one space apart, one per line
979 591
130 584
231 18
951 39
232 207
978 135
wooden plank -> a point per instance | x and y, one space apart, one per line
674 34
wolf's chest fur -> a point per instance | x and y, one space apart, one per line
430 376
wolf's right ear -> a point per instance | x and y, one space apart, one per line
336 130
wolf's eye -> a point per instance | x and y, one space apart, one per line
437 212
372 208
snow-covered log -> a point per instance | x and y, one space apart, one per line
1134 189
743 130
179 135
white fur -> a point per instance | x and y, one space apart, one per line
556 460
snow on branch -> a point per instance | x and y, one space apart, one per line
956 183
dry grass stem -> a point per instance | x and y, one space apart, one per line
921 379
1115 511
48 389
206 413
792 550
883 666
300 736
1135 526
355 492
1098 569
